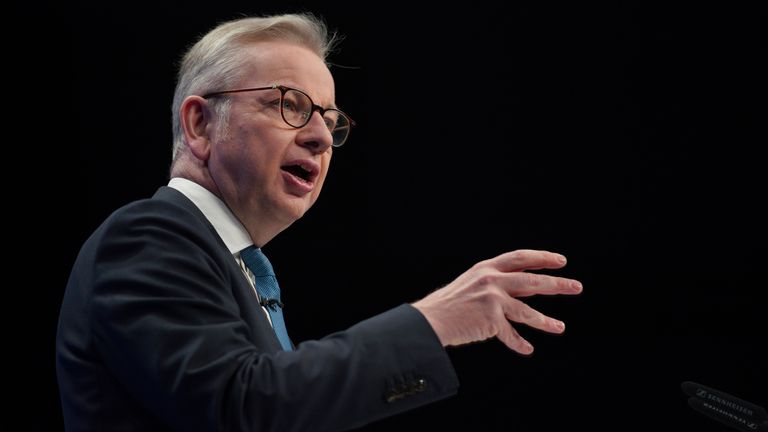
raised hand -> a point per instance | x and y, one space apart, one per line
481 302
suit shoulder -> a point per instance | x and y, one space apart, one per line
163 217
159 206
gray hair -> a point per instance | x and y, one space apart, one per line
215 61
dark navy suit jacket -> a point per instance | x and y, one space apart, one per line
160 330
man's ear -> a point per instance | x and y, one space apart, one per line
196 116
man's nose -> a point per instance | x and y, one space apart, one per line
315 134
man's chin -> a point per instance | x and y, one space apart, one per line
297 207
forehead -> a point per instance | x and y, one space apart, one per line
291 65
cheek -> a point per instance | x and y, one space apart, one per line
249 153
232 145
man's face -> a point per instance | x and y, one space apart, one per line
255 162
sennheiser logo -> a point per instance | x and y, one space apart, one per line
732 405
725 408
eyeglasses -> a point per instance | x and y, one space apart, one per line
296 108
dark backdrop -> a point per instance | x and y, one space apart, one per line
626 138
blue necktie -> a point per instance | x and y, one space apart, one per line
269 291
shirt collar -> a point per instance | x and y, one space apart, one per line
229 228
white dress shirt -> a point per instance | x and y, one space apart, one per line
227 226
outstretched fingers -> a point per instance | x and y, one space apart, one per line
519 312
481 303
512 339
527 259
523 284
527 284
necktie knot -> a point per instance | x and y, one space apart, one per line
257 262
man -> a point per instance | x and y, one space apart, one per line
171 319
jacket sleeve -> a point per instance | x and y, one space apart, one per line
167 325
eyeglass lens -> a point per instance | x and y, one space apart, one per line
297 110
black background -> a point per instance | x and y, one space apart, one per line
626 138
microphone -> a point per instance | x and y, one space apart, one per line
727 417
727 409
271 303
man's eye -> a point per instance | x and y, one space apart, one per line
289 105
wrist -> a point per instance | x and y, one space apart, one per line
429 315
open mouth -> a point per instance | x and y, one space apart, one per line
299 172
302 170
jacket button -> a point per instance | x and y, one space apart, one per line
405 389
421 384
